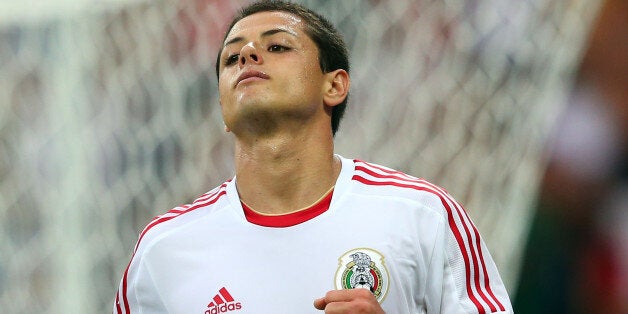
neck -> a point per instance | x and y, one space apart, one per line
285 172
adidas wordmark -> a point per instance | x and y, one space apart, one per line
223 302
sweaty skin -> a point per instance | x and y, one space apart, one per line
277 102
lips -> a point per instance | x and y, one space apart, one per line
250 75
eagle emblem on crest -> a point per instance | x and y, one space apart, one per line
363 268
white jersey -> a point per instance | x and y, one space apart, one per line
404 239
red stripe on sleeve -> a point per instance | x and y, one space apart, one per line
118 309
462 214
487 284
452 226
478 247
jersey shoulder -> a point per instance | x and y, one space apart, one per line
182 215
377 180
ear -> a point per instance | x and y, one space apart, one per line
336 87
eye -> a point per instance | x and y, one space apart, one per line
232 59
277 48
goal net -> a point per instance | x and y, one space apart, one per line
109 116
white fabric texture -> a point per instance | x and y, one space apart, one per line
425 254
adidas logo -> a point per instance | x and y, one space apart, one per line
223 302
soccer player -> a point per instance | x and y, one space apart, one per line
300 229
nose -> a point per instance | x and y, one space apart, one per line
249 53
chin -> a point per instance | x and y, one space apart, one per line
253 118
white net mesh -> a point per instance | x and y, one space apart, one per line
109 116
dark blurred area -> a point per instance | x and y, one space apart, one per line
576 258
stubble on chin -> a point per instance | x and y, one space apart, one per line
255 118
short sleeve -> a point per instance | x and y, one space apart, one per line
463 277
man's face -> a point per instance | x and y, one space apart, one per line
269 70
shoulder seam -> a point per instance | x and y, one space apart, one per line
206 199
464 231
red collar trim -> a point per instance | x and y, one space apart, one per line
288 220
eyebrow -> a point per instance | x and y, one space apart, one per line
264 34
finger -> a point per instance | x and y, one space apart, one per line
347 295
320 304
333 298
358 306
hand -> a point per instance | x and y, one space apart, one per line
352 301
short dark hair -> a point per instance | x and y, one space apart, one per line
332 50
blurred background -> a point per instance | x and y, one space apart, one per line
576 258
109 116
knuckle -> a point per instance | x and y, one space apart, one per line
363 307
363 293
329 294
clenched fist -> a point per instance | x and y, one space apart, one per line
352 301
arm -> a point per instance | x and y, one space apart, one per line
463 277
137 292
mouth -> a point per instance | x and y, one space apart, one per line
250 76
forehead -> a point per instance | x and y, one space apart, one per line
263 21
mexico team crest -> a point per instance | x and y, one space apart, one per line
363 268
